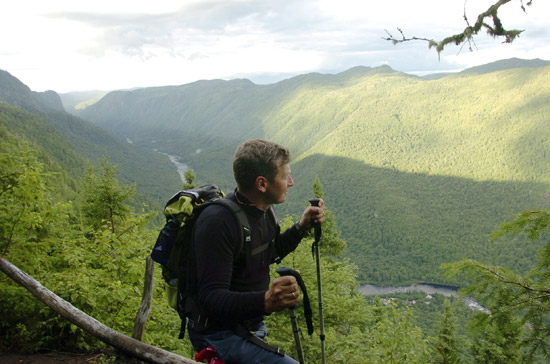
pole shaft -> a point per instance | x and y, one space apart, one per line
296 333
320 299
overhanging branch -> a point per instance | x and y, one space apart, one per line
467 35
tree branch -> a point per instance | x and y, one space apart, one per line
504 280
467 35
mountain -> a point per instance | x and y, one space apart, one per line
13 92
506 64
50 99
72 142
500 65
416 172
77 100
181 120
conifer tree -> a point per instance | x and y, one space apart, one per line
496 338
447 344
331 243
26 208
189 179
104 198
512 298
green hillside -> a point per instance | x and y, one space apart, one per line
78 100
401 226
71 143
418 172
486 127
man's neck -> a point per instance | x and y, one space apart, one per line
254 199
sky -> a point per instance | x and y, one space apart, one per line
78 45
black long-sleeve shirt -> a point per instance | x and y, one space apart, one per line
230 289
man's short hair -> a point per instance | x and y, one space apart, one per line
258 157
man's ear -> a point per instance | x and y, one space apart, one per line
261 183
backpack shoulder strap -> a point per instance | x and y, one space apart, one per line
240 217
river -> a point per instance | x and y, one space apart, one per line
428 288
373 290
180 167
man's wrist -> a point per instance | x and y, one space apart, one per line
301 231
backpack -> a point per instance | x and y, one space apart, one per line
172 249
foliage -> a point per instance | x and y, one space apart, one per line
25 205
496 338
189 179
447 344
104 199
515 300
533 222
330 243
98 270
30 226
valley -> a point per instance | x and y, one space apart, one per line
417 172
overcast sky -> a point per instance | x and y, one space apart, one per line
72 45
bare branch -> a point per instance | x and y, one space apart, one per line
467 35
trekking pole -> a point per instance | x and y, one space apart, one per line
286 271
315 247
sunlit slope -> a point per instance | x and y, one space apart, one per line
494 126
416 172
489 126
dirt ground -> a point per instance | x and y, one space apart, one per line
49 358
62 358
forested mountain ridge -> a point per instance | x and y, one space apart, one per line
13 92
73 143
485 127
418 172
501 65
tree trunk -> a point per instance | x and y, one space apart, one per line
132 347
146 300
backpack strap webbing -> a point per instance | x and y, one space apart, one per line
248 336
240 216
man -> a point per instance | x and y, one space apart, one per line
234 292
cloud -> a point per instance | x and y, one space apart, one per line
139 43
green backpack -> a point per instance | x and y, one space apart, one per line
172 249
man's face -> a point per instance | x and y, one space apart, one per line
278 188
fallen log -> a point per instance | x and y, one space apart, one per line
126 344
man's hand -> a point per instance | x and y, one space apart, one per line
284 293
313 215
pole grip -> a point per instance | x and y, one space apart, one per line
287 271
316 226
314 201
